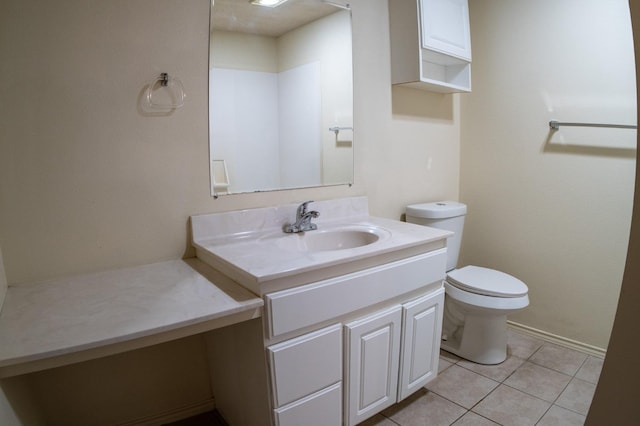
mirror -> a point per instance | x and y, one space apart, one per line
280 96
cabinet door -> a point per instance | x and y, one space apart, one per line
420 348
445 27
372 357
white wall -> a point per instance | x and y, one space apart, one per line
266 127
90 182
244 131
326 42
551 209
299 123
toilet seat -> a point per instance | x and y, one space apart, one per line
487 282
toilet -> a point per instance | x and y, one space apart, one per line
477 299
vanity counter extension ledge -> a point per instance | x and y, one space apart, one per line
63 321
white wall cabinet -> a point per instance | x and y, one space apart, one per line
431 44
445 27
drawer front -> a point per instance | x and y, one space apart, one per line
306 364
323 408
299 307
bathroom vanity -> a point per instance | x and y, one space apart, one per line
313 328
352 313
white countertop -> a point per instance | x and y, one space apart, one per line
61 321
264 263
241 244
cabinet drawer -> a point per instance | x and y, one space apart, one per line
323 408
299 307
306 364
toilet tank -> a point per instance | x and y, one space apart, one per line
447 215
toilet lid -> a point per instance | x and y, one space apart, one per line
488 282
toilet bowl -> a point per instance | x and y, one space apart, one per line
477 299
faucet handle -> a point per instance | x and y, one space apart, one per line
302 208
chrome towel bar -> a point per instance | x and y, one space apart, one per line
555 125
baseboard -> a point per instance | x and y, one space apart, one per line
172 415
558 340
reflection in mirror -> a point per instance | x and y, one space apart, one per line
280 96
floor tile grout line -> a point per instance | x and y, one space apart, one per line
485 417
493 378
544 414
529 358
447 399
572 378
476 404
459 417
390 419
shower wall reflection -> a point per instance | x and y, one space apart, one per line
273 101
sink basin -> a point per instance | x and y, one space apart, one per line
340 238
250 247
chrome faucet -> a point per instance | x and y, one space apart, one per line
303 219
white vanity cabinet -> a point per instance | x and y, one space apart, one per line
390 354
430 44
390 317
345 331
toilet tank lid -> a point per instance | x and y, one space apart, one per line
437 210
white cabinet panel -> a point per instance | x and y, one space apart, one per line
323 408
299 307
306 364
422 326
430 44
445 27
372 357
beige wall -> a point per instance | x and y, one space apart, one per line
3 280
7 413
555 215
243 51
89 181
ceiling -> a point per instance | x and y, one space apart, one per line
242 16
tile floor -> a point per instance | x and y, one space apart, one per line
538 384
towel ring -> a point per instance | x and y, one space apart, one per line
174 88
